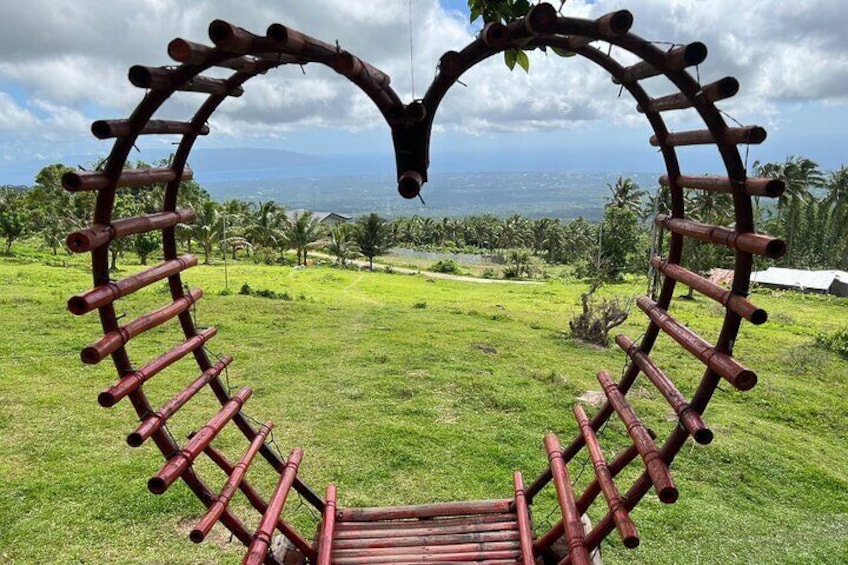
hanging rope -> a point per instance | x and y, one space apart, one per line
411 51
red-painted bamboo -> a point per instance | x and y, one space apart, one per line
238 41
722 363
496 36
540 19
112 291
355 68
156 420
112 341
749 135
676 59
105 129
260 505
98 235
422 511
450 555
615 23
727 298
179 462
756 186
462 524
213 513
747 242
78 181
386 538
625 525
191 53
325 538
525 529
656 467
262 538
713 92
164 78
565 495
689 418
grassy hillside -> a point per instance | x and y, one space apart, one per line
403 390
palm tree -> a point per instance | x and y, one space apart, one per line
206 229
372 236
341 244
302 230
265 228
626 194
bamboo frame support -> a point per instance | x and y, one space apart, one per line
748 135
525 529
496 36
540 19
676 59
180 461
236 40
98 235
199 533
623 523
721 363
262 538
78 181
153 422
771 188
689 418
190 53
114 340
656 467
615 24
565 495
423 511
328 525
112 291
106 129
164 78
727 298
721 89
747 242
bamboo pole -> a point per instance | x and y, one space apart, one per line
105 129
771 188
676 59
748 135
565 495
98 235
325 538
78 181
525 529
423 511
163 78
746 242
719 90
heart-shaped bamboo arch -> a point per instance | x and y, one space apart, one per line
492 532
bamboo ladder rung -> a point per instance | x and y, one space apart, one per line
654 464
98 235
191 53
231 486
110 292
78 181
689 418
328 526
258 549
613 24
356 69
748 135
676 59
153 422
525 528
577 549
756 186
728 298
422 511
623 523
180 461
721 363
747 242
238 41
164 78
105 129
721 89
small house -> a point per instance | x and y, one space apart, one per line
821 282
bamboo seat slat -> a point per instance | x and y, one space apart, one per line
476 548
460 558
748 242
112 291
676 59
748 135
98 235
721 363
164 78
423 529
481 521
427 539
755 186
525 528
497 506
106 129
258 549
199 533
656 467
567 504
156 420
79 181
180 461
713 92
114 340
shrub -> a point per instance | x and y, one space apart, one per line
838 342
446 266
421 304
490 274
599 316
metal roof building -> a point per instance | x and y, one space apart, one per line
823 282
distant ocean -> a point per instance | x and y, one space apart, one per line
531 194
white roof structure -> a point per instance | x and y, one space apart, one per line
825 282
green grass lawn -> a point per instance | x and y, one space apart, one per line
403 390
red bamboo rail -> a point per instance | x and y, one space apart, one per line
565 495
98 235
727 298
181 460
238 41
525 529
154 421
748 135
199 533
450 524
423 511
262 538
461 552
689 419
106 129
756 186
164 78
496 36
746 242
722 89
325 538
721 363
112 341
190 53
676 59
79 181
260 505
623 523
386 539
540 19
112 291
656 467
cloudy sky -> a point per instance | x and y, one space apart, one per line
63 64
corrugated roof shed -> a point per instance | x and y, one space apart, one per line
832 282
